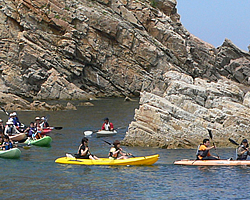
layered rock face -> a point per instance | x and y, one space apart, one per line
81 49
181 115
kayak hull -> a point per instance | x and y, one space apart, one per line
18 137
46 131
104 133
212 162
13 153
147 160
42 142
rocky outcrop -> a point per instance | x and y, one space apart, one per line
13 102
180 115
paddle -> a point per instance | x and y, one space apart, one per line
111 145
4 111
233 142
56 127
25 146
211 136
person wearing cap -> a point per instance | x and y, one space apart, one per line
203 152
16 121
44 123
107 126
243 151
10 129
84 152
116 152
37 122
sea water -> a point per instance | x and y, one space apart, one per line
36 175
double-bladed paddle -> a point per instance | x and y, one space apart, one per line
4 111
233 142
211 136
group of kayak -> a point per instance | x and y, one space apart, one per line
15 132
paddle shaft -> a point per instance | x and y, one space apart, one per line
111 144
211 136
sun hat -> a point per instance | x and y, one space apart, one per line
37 118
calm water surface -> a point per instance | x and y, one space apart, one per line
36 176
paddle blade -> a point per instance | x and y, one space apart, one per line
210 134
58 128
87 132
26 147
233 142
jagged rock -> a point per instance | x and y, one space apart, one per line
181 117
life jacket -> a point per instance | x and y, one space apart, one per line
244 155
111 153
9 130
201 153
8 145
32 130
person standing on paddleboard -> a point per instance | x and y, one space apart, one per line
203 151
107 126
243 151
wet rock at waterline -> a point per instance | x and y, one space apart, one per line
180 115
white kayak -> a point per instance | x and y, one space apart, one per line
104 133
212 162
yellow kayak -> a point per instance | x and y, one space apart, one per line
146 160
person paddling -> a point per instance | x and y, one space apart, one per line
115 152
107 126
243 151
203 151
10 129
7 144
84 152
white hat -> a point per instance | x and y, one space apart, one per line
11 115
37 118
1 120
42 118
14 113
9 123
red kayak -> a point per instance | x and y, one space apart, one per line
47 130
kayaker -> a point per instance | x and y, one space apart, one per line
44 123
16 121
31 130
115 152
84 152
37 122
107 126
203 151
7 144
10 129
243 151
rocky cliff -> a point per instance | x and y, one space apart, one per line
82 49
